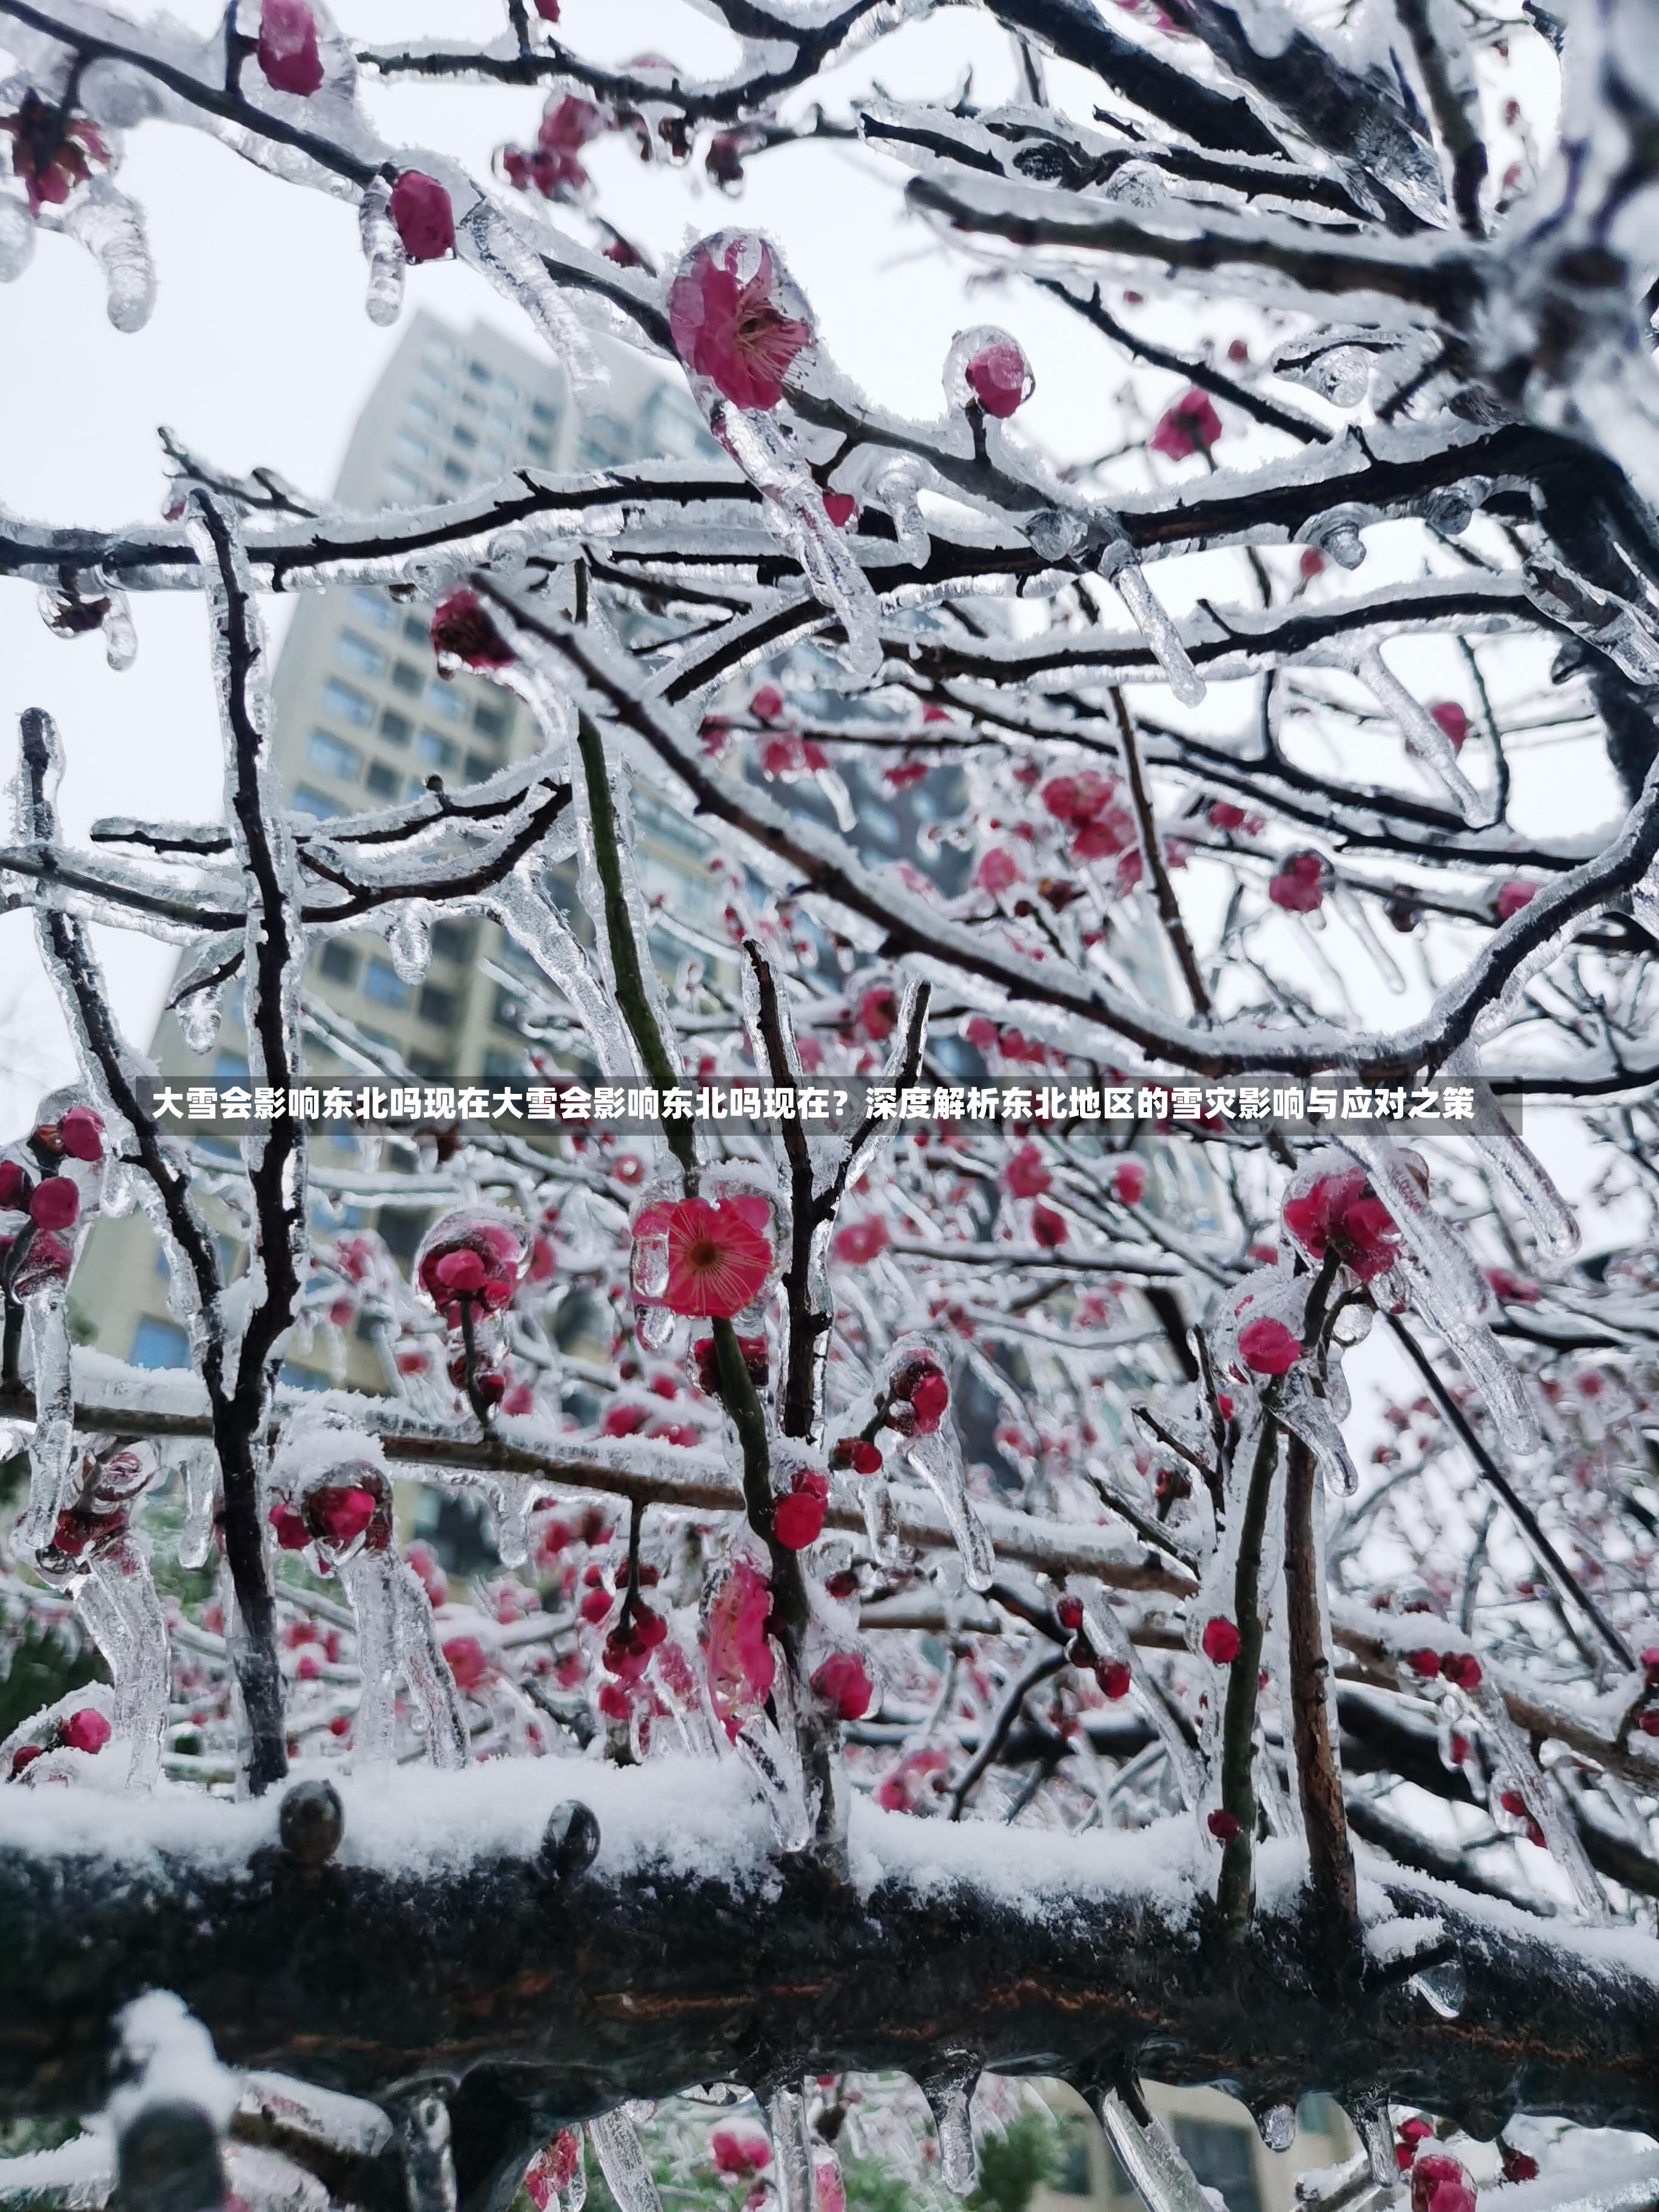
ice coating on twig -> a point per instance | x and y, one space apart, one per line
52 1447
771 1751
16 242
1425 740
951 2100
1162 2177
1542 1796
622 2162
937 1459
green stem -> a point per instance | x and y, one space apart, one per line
1233 1893
633 999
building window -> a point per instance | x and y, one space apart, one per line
307 801
455 472
374 607
465 437
422 408
450 941
448 701
350 706
438 751
478 766
428 1065
1319 2115
1072 2176
400 485
1221 2157
492 457
324 751
405 679
543 412
431 374
478 373
437 1006
354 651
158 1344
417 628
539 448
383 985
397 729
338 962
385 783
492 721
413 448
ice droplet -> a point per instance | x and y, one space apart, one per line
198 1014
120 638
1276 2126
409 940
201 1495
655 1326
938 1458
1443 1988
622 2161
1053 532
16 242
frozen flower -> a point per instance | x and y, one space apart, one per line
753 1352
858 1243
729 327
840 507
468 1661
1048 1227
1025 1173
797 1519
986 368
470 1257
54 1203
718 1255
858 1453
1222 1825
1518 2165
1440 2184
736 1645
1453 721
462 630
553 166
920 1386
85 1730
52 156
1077 798
553 2170
1221 1641
1513 1290
338 1513
879 1011
425 219
843 1683
79 1133
1299 885
997 870
1341 1212
1461 1668
288 47
14 1185
1113 1678
1191 426
739 2155
1268 1347
1129 1182
1510 897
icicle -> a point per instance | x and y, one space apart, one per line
1276 2126
120 637
1162 2177
396 1633
938 1458
409 940
1111 1643
1549 1218
16 242
1368 2109
1541 1795
1308 1415
1426 741
950 2098
200 1497
383 250
52 1448
772 1755
1122 571
793 505
142 1667
622 2161
1444 1987
786 2121
491 239
880 1521
109 225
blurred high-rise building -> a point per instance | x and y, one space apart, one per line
362 719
